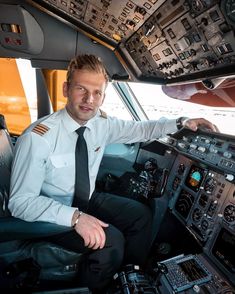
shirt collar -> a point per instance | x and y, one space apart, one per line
71 125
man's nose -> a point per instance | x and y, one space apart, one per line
89 98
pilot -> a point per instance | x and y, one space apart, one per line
46 186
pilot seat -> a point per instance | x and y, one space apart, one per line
26 260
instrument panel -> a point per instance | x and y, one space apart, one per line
161 41
201 189
198 197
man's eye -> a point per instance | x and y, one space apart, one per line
98 94
80 89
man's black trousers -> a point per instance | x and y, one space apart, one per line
128 238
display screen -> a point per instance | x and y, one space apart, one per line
194 178
192 270
231 147
223 249
184 203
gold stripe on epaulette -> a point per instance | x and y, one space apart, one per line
40 129
103 114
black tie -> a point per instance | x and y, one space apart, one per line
82 183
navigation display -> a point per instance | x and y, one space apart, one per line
223 249
194 178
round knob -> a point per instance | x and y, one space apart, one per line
227 154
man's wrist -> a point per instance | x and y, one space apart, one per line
180 122
76 217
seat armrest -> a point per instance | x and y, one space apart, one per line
16 229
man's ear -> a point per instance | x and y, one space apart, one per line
65 89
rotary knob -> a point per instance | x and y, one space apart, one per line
227 154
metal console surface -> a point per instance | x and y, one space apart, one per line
201 188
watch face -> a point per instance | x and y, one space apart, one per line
228 8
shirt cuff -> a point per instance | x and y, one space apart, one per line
171 126
65 215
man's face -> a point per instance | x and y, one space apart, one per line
85 94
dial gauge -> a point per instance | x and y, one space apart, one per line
197 215
229 213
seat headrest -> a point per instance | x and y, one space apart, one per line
2 122
6 155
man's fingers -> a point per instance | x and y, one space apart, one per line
95 238
86 240
102 243
196 123
91 230
103 224
216 129
97 242
100 238
92 241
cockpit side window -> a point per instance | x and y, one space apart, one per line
13 96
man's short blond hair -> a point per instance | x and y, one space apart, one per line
86 62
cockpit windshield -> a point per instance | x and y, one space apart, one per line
156 104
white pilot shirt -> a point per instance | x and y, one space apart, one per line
43 170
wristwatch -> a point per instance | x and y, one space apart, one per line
78 216
180 121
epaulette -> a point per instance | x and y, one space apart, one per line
103 114
40 129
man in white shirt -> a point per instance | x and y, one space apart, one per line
113 228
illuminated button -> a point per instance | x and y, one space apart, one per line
201 149
229 177
213 150
117 37
196 289
193 146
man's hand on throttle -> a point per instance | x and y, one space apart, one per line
91 230
195 123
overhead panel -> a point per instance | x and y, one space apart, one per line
114 20
168 41
185 39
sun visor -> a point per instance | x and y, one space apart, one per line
19 31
